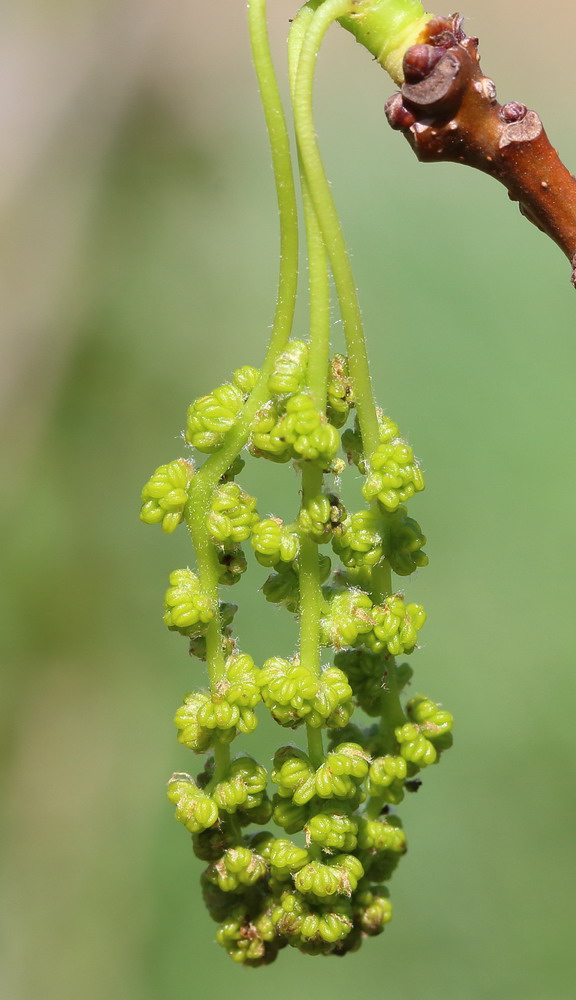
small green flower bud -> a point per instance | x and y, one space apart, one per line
245 379
289 373
321 519
244 786
372 910
232 515
294 694
394 475
335 831
196 810
414 746
240 684
190 733
405 543
300 432
381 835
339 876
285 858
348 617
396 626
340 391
388 772
166 494
360 543
212 416
237 867
188 610
273 542
292 771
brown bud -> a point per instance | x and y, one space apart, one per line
513 112
398 116
419 61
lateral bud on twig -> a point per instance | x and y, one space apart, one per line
448 110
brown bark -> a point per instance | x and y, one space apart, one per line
447 109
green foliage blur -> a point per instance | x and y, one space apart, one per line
141 270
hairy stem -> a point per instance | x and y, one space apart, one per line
207 478
328 219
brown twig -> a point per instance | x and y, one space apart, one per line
447 109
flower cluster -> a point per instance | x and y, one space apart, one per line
265 890
165 495
294 429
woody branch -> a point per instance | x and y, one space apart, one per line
448 110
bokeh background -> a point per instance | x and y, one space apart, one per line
139 234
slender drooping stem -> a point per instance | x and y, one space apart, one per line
328 219
311 598
207 478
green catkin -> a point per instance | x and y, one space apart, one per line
325 892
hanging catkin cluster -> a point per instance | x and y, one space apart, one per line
299 847
324 889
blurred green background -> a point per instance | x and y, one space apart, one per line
137 269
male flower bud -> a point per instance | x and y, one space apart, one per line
244 785
394 474
414 746
294 775
396 626
388 773
332 831
347 619
273 542
237 867
232 515
372 910
249 939
211 417
240 684
321 517
300 432
434 722
187 609
196 810
340 391
165 495
245 379
360 543
294 694
340 875
289 373
341 774
284 858
405 543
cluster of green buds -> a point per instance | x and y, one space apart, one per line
299 853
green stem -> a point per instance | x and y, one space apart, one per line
208 476
311 599
315 746
328 219
207 565
318 272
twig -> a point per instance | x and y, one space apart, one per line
447 109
